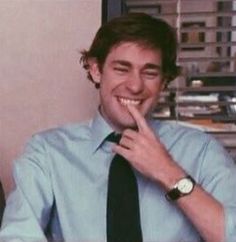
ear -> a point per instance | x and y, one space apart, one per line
94 70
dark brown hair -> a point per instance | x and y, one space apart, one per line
139 28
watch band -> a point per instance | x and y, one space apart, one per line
175 193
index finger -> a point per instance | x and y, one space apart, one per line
139 119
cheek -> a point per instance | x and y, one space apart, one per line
154 89
105 84
109 81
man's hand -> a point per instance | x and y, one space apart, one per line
144 150
147 154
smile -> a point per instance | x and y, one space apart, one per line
126 101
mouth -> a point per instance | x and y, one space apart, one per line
128 101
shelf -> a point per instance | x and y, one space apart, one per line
203 89
200 59
217 75
207 44
196 103
199 103
214 118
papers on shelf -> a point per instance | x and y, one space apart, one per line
198 98
192 111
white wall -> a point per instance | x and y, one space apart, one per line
42 84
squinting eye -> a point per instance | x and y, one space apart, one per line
121 70
151 74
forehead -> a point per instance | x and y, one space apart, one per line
134 53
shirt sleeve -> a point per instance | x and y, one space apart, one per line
219 178
29 206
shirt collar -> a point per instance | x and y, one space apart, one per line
100 129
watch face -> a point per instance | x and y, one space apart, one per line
185 185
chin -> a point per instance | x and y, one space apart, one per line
126 123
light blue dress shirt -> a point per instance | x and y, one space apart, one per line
61 185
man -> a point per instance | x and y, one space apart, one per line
186 180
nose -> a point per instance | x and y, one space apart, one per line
135 83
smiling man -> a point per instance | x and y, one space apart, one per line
131 75
174 183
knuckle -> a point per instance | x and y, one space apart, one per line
126 132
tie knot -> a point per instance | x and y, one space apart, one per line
114 137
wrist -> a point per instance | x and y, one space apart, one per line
169 175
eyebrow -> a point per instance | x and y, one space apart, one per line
122 62
152 66
128 64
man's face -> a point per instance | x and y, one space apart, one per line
131 75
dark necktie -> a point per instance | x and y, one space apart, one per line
123 218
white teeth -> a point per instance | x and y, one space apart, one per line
125 101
